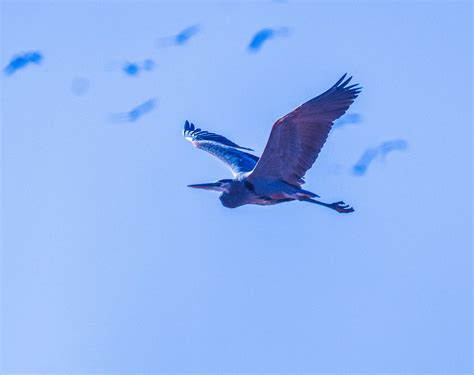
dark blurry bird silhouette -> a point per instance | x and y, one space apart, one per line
363 163
389 146
134 114
349 118
181 38
382 150
263 35
294 144
20 61
148 64
133 68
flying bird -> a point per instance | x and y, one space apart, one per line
364 161
133 68
20 61
181 38
135 113
294 144
263 35
350 118
382 150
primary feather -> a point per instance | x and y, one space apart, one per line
297 138
224 149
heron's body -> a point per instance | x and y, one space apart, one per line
241 191
293 146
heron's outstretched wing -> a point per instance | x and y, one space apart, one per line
297 138
222 148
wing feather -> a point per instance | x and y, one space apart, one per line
222 148
297 138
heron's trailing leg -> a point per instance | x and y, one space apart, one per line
340 206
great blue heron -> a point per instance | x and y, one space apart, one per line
294 144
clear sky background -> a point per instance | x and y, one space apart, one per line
111 264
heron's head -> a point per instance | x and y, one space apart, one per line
221 185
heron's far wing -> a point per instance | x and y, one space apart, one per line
224 149
297 138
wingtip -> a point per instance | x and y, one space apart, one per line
188 127
344 84
340 80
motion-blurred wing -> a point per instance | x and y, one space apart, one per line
222 148
297 138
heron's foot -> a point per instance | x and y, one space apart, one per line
341 207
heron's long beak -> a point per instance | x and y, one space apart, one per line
216 186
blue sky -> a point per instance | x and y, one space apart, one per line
111 264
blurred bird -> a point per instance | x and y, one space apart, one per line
263 35
370 154
294 144
363 163
389 146
181 38
133 68
135 113
20 61
350 118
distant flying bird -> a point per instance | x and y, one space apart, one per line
382 150
294 144
132 69
181 38
389 146
263 35
137 112
350 118
20 61
148 64
363 163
